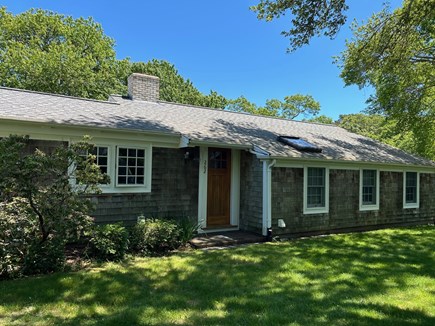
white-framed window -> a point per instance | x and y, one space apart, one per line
411 189
130 169
369 190
316 190
128 166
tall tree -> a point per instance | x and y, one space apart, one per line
394 52
292 106
175 88
380 128
309 18
44 51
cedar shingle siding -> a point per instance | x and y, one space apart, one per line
174 192
344 213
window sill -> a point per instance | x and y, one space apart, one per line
317 210
369 208
411 206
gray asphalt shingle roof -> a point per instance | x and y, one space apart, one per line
201 125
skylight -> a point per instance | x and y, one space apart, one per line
299 143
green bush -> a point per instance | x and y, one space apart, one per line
108 242
22 251
154 236
46 257
188 229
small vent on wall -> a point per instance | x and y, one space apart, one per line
299 144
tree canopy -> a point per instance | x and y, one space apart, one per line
394 52
175 88
292 106
45 51
309 18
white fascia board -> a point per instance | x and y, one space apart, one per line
65 132
217 144
349 165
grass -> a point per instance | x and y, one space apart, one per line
376 278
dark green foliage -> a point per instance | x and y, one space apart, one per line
46 257
45 51
292 107
309 18
154 237
394 53
188 229
108 242
174 88
41 208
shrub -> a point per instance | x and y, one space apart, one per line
40 208
188 229
108 242
154 236
21 250
46 257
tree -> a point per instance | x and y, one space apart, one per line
378 127
320 119
174 88
394 52
44 51
309 18
292 106
40 208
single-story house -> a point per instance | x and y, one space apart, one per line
227 170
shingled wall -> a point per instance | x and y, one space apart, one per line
344 213
251 193
174 192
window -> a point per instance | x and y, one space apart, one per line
411 190
102 154
299 143
316 190
131 166
369 190
128 167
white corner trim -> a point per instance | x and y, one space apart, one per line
369 207
417 203
316 210
202 187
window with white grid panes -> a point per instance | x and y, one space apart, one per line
130 166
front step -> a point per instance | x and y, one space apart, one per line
225 239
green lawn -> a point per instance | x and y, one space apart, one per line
376 278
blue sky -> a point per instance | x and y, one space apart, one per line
221 46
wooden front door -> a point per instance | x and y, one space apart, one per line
218 186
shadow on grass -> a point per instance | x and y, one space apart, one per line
358 279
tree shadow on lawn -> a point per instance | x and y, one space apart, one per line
321 281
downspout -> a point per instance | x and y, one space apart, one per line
267 197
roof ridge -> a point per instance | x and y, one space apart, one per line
57 95
246 113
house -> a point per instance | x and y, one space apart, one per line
228 170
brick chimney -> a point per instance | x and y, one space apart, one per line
143 87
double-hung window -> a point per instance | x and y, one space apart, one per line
369 189
316 190
128 167
411 192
